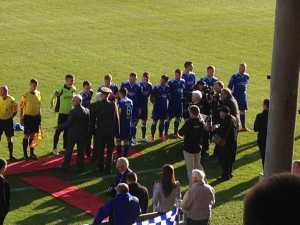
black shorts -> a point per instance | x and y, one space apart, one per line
7 127
32 124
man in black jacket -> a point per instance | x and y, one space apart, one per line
193 131
78 124
227 132
261 127
4 192
105 124
137 190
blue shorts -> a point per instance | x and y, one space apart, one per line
162 115
124 134
135 114
175 111
144 113
242 102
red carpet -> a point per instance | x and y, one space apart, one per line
49 162
70 194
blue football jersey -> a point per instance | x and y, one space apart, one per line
238 84
134 93
146 89
209 81
114 88
86 97
190 81
160 96
125 109
176 90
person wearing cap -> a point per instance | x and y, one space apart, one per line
105 124
227 144
4 192
78 125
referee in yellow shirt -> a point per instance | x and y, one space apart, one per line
30 107
8 110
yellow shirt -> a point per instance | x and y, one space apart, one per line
31 103
8 107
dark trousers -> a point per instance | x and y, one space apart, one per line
227 158
2 217
81 146
262 151
62 118
101 142
196 222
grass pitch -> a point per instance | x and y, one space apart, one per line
48 38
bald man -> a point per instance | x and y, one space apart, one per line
78 125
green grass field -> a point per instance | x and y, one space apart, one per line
46 39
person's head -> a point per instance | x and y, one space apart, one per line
146 77
69 80
218 86
273 201
107 80
178 74
198 176
4 91
3 166
105 92
77 99
33 84
266 104
296 167
122 188
194 111
122 164
188 66
164 80
224 111
200 85
87 85
226 94
131 178
132 77
211 70
196 97
168 180
243 68
123 92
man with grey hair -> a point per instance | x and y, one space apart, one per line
124 209
78 125
198 201
123 169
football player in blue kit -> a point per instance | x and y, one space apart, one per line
134 93
238 85
190 81
160 99
210 79
176 99
125 114
146 89
109 84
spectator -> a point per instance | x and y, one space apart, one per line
124 209
138 191
193 131
198 201
296 167
261 127
166 192
122 166
4 192
273 201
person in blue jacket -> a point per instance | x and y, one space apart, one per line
124 209
238 85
